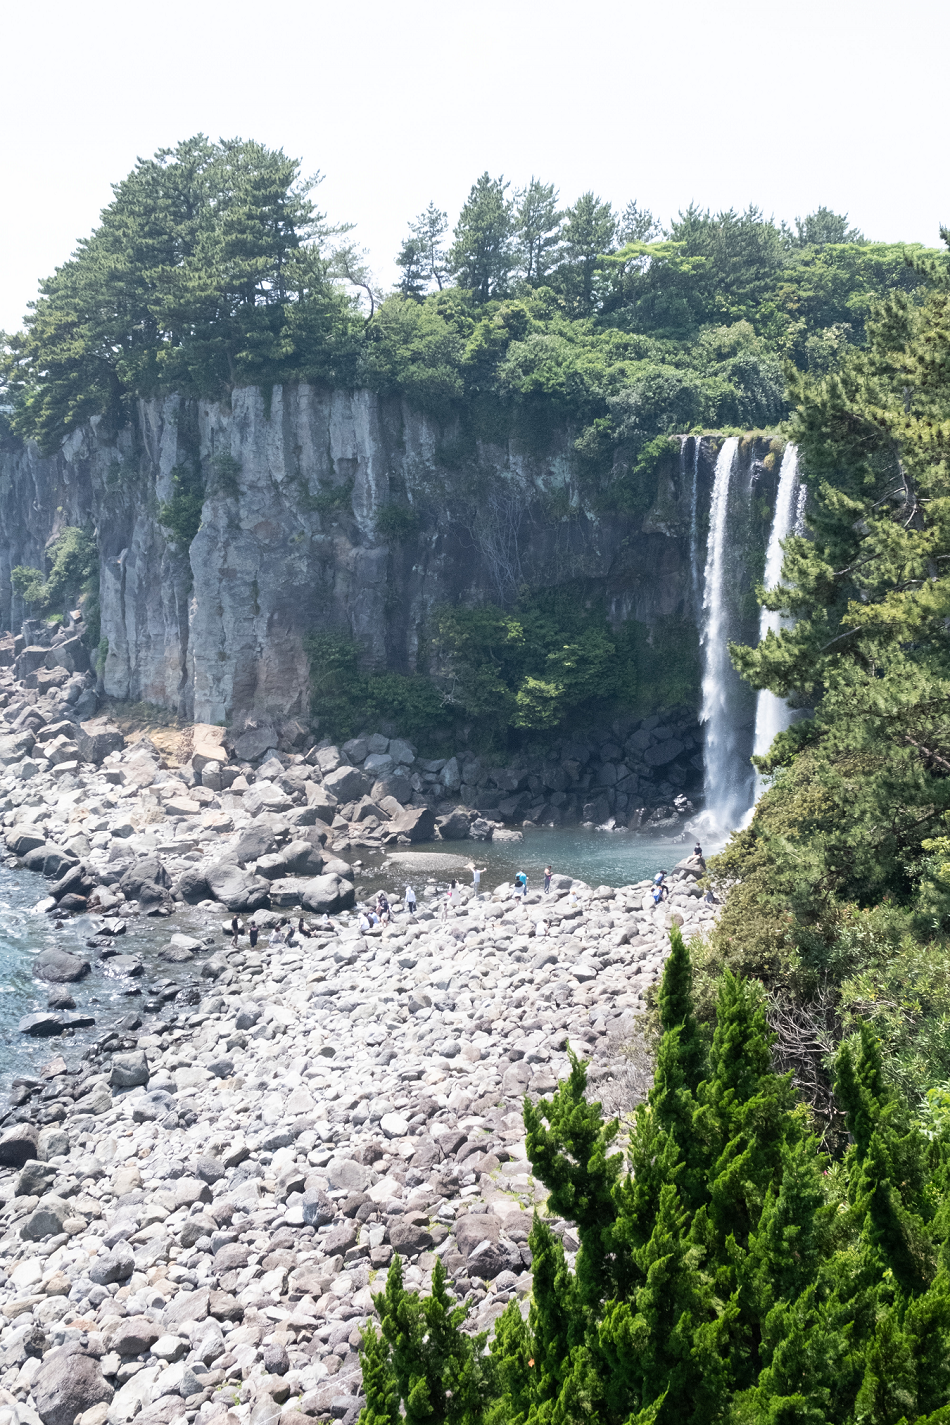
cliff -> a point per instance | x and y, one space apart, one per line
341 510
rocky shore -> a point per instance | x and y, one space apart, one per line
195 1211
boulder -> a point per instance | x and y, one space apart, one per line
47 1218
454 826
146 876
254 843
396 785
255 741
18 1144
129 1070
236 889
207 746
15 746
97 738
51 860
328 895
59 967
42 1024
450 776
21 843
132 1336
68 1384
192 887
418 823
321 803
346 784
72 654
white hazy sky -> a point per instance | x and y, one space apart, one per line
788 106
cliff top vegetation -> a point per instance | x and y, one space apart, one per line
213 267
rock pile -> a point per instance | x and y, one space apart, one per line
198 1231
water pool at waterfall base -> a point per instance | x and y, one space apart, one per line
597 857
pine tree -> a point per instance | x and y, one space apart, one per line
438 1369
482 255
379 1382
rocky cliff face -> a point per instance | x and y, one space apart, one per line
329 509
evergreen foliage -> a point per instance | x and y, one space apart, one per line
212 268
839 890
727 1271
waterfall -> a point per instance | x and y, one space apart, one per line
729 779
772 714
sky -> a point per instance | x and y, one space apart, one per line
834 102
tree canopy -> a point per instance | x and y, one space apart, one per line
212 268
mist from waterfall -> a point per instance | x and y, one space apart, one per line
728 774
772 714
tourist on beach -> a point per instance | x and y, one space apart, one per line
521 884
476 876
253 932
365 922
410 899
660 891
236 929
547 880
382 907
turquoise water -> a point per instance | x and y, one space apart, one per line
598 857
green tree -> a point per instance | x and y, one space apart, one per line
538 224
590 227
483 255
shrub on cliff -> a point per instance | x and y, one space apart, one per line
727 1271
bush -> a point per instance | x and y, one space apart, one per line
348 700
74 572
181 515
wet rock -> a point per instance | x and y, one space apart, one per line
454 826
42 1024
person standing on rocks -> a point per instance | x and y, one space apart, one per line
521 884
252 933
410 899
547 880
477 876
236 931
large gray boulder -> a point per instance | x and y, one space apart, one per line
193 887
21 843
130 1070
59 967
72 654
236 889
328 895
453 827
395 784
51 860
97 738
346 783
297 858
255 741
18 1145
145 875
67 1384
418 823
255 842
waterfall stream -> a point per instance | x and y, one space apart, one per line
772 714
729 778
